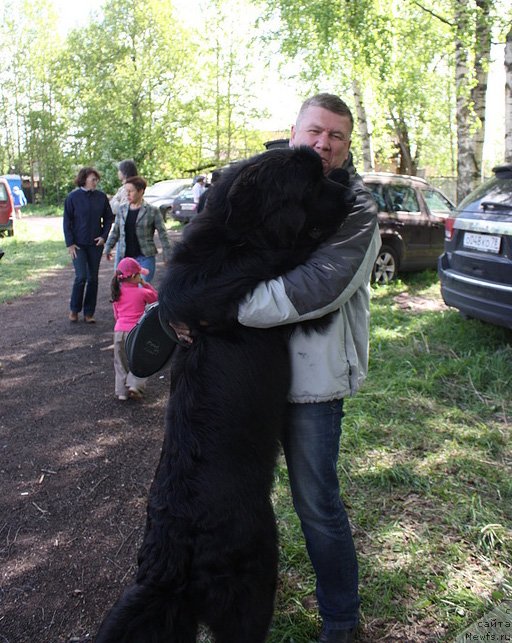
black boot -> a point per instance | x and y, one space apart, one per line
337 636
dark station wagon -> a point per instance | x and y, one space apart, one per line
476 268
412 216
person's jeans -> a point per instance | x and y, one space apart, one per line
150 264
87 266
311 446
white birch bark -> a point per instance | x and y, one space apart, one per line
479 91
508 98
464 147
362 125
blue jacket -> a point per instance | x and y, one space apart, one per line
87 215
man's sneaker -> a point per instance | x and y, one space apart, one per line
135 394
122 397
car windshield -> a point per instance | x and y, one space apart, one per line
185 193
437 203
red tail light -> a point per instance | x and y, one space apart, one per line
448 228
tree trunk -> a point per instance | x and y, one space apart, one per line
407 164
508 98
362 125
478 93
464 147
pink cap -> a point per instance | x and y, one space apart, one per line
129 266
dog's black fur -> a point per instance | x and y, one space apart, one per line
209 553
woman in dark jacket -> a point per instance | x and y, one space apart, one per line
87 222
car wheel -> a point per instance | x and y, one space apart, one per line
386 266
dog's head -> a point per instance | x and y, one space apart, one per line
281 198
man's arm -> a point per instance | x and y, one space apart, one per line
327 280
107 219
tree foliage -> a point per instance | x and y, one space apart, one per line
396 62
139 81
136 82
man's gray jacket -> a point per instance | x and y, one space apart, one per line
333 363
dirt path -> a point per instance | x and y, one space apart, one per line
75 466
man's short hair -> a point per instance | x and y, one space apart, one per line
330 102
138 182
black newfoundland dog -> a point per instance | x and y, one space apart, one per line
209 553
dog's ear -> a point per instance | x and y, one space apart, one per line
246 201
243 192
265 198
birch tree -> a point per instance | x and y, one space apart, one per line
508 98
388 57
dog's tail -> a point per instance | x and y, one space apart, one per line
142 615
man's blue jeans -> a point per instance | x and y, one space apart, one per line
87 267
311 445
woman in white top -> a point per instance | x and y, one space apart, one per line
125 170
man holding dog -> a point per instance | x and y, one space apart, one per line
327 366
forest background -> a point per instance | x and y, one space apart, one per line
184 87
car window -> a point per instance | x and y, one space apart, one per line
185 193
403 198
3 192
377 193
437 203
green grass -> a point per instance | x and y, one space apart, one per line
30 256
425 473
42 210
425 466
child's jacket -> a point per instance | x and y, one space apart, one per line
129 308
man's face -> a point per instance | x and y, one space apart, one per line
132 194
327 133
91 182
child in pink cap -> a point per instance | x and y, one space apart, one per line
130 295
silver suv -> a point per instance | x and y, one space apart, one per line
476 268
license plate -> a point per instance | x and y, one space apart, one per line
483 242
188 206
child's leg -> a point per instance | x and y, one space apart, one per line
137 383
120 366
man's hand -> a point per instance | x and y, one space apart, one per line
182 332
100 241
72 249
